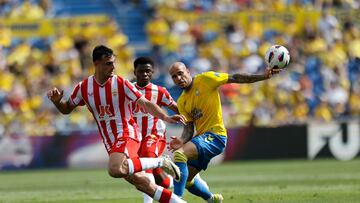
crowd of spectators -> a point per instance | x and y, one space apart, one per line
29 67
322 82
232 6
26 9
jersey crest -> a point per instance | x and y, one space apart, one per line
196 113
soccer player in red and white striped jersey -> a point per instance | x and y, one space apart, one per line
107 97
152 128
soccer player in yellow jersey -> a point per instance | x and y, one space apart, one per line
200 104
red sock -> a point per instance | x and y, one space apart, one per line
157 171
137 165
165 196
166 181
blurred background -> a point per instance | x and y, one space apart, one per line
310 110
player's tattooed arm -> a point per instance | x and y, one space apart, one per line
178 142
247 78
188 132
244 78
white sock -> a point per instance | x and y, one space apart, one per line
158 193
146 163
176 199
150 163
173 199
147 198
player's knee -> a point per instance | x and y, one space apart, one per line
179 156
117 171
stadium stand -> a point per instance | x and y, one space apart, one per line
321 83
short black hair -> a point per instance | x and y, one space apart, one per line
101 51
143 60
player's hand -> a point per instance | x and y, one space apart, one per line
269 72
175 119
175 143
55 95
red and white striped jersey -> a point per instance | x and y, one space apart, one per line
109 104
147 123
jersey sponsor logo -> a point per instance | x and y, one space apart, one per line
114 93
196 113
217 74
91 94
119 143
150 142
105 112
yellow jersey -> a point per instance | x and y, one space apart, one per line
201 104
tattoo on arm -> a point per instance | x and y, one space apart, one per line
188 132
243 78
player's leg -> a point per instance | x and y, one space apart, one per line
153 146
196 185
148 149
209 145
120 166
158 193
150 176
161 178
181 157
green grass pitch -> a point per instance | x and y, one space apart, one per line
246 181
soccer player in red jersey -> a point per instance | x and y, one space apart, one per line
107 96
151 127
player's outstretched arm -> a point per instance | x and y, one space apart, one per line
156 111
177 143
55 95
245 78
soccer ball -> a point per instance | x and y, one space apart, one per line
277 57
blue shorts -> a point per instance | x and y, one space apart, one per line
208 146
